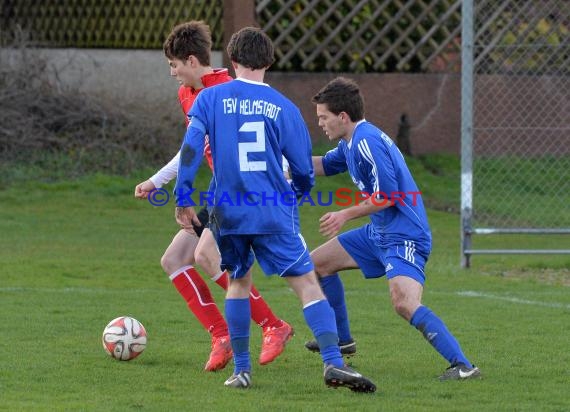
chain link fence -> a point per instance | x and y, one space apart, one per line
515 121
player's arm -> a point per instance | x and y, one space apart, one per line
332 163
190 160
332 222
297 151
159 179
286 173
318 165
167 173
374 155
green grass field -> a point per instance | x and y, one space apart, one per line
78 254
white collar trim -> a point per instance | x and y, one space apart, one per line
251 81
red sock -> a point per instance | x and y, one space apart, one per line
195 292
222 280
260 311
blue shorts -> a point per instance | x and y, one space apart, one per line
375 261
286 255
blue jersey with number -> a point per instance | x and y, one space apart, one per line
251 127
378 168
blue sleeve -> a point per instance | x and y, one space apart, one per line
297 149
191 155
334 162
377 161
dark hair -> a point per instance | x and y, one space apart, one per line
342 95
189 39
251 48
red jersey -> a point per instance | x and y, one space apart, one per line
187 96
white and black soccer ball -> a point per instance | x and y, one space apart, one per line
124 338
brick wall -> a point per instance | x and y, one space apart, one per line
140 79
431 102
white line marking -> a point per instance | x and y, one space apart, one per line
474 294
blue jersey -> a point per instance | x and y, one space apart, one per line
251 127
378 168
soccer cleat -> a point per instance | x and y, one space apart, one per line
460 371
242 380
346 348
274 341
336 377
220 355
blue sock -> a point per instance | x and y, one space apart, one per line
238 313
334 290
436 333
320 318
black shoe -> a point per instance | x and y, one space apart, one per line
460 371
346 348
336 377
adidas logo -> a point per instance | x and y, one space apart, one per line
431 336
389 267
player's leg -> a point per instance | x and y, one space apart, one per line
318 315
406 295
288 256
320 319
237 309
208 257
237 259
180 252
177 261
352 249
329 259
276 332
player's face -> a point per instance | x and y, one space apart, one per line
333 124
185 71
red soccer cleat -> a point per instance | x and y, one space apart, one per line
274 341
221 354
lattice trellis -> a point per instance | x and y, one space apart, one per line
363 35
107 23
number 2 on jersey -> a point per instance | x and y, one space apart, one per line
244 148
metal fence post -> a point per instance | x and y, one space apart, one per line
466 128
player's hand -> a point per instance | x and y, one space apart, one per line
143 189
331 223
185 216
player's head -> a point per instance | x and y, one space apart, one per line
251 48
187 49
339 105
192 38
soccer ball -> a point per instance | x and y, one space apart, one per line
124 338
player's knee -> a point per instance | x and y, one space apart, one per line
209 260
165 263
402 307
169 263
202 259
320 268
